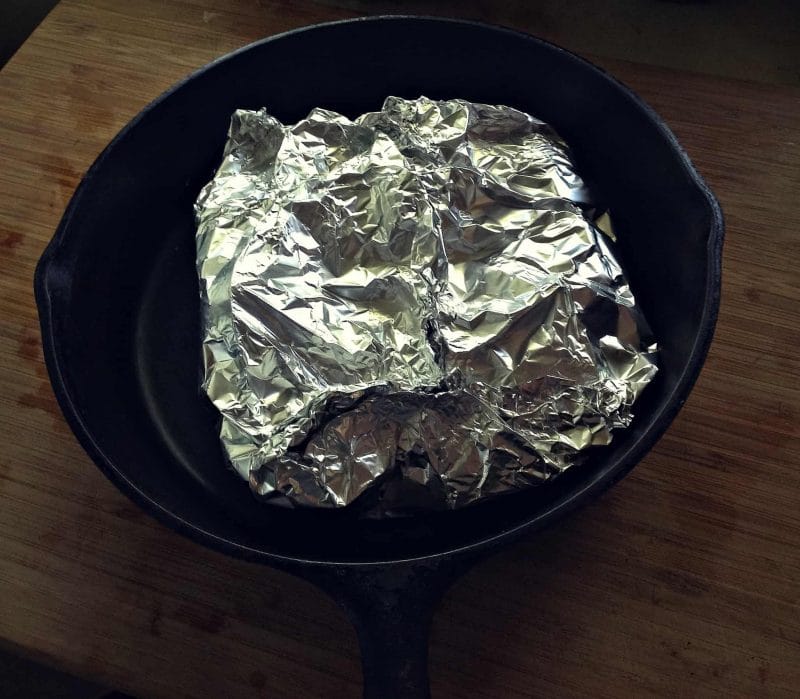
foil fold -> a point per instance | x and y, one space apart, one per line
423 303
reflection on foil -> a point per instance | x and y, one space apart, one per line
422 302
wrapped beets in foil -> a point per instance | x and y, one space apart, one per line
423 303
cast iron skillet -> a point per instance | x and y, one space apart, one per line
119 305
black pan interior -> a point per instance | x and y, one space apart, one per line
119 297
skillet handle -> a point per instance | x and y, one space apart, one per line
392 609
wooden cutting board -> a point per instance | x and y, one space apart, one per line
684 580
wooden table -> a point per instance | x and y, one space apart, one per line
684 580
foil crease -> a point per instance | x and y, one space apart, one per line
423 302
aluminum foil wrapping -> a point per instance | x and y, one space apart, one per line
422 302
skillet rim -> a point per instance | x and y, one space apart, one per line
49 274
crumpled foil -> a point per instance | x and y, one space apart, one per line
422 302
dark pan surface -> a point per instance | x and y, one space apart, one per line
119 302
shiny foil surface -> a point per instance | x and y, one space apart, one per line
422 303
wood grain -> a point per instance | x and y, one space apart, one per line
684 580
